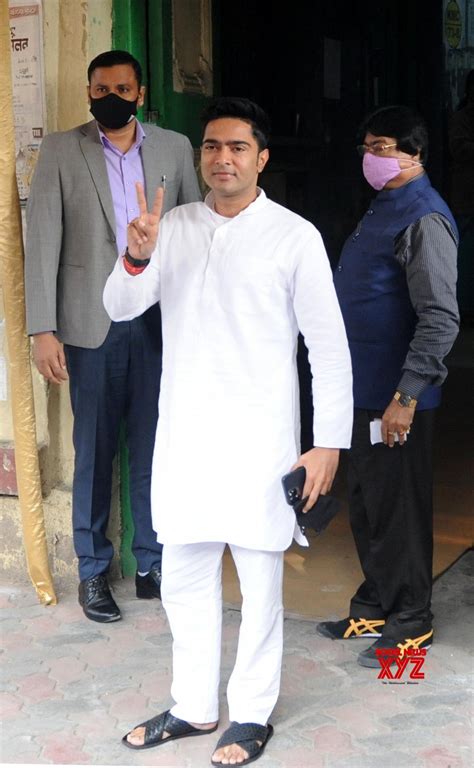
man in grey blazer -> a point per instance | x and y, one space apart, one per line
82 198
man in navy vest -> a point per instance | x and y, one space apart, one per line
396 283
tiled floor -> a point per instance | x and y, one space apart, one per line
71 688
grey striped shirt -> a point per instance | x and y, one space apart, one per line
427 250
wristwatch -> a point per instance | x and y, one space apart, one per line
405 400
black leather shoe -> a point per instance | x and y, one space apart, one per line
96 600
150 585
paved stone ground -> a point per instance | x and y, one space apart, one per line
71 688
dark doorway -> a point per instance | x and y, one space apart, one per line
317 68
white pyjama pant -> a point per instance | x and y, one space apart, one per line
192 597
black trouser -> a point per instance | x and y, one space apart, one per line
391 514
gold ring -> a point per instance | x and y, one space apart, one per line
390 433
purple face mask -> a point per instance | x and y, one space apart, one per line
380 170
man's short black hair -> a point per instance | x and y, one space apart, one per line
241 109
403 123
111 59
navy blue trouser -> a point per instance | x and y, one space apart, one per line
120 380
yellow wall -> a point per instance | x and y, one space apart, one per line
74 32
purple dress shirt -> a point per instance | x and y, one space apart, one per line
124 170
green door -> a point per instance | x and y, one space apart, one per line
174 43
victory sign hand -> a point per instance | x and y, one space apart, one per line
142 232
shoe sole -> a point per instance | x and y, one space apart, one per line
148 596
159 742
107 620
326 633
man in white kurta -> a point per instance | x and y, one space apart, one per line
237 277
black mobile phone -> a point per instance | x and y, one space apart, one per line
293 484
320 514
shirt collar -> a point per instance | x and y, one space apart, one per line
255 207
140 135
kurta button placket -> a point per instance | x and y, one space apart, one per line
213 252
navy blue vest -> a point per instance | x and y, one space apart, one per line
372 289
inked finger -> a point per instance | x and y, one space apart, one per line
141 199
158 202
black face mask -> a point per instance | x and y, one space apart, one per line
111 111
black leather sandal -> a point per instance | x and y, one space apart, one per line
156 726
247 736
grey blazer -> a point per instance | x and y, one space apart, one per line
70 236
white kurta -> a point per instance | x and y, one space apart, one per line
233 294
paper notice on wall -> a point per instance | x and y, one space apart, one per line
26 39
